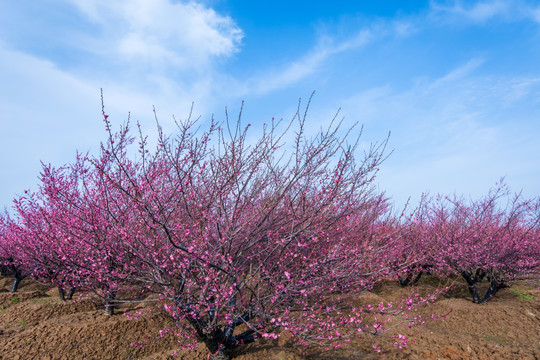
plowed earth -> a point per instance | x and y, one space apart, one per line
35 324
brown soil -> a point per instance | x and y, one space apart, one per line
35 324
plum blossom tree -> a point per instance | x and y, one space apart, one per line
418 238
488 238
249 239
12 259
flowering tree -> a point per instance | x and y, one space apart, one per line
483 239
5 253
246 239
418 239
36 238
11 258
74 230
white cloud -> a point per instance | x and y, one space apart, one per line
161 32
518 89
453 131
142 52
48 113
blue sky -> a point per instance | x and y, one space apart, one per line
456 82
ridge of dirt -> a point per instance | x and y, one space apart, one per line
35 324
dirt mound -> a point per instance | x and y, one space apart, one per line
35 324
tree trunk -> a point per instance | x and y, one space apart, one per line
109 302
70 294
475 278
219 356
494 286
409 279
16 284
18 277
61 293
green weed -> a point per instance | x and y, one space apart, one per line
522 296
498 339
22 323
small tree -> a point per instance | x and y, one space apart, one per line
483 239
73 232
12 259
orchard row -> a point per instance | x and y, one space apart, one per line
246 238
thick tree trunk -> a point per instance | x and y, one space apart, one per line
219 342
475 278
494 286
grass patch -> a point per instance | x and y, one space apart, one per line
22 323
497 339
522 296
45 301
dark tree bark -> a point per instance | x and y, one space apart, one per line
409 279
19 275
70 293
476 277
110 296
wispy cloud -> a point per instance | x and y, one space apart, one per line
459 73
291 73
475 12
46 115
535 14
325 48
461 131
483 11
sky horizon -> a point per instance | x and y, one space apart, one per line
457 83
